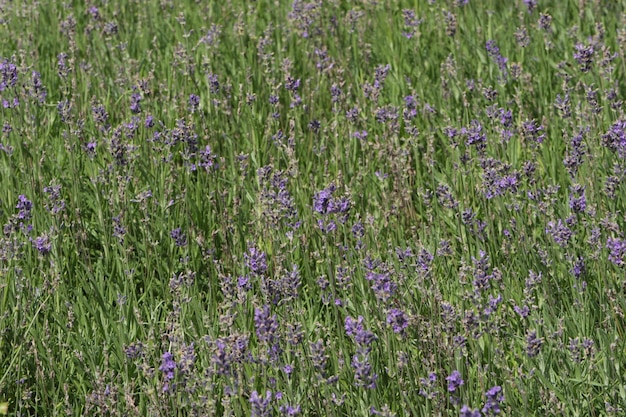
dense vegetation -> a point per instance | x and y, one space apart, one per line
317 208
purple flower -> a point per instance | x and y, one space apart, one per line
428 386
355 329
398 320
533 344
532 132
579 268
194 102
584 56
207 159
179 237
382 285
559 232
494 52
38 90
318 356
260 406
617 248
168 366
454 381
468 412
94 12
545 22
495 398
134 350
322 201
266 324
475 135
363 372
577 199
25 206
91 148
135 99
8 75
256 260
531 5
335 93
523 312
42 244
292 84
289 410
214 84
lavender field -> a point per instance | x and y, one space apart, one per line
312 208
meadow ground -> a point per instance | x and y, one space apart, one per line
314 208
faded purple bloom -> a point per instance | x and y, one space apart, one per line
38 90
179 237
119 231
617 250
382 284
100 115
523 312
494 52
289 410
355 329
559 232
256 260
335 93
261 406
315 126
579 268
194 102
318 356
428 386
62 65
398 320
475 135
363 373
468 412
94 12
187 359
55 203
533 344
207 159
545 22
134 350
135 101
110 28
352 114
411 22
577 200
532 133
445 197
584 56
64 109
214 84
454 381
90 148
24 205
8 75
266 325
531 5
563 105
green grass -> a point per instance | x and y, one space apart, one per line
85 322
